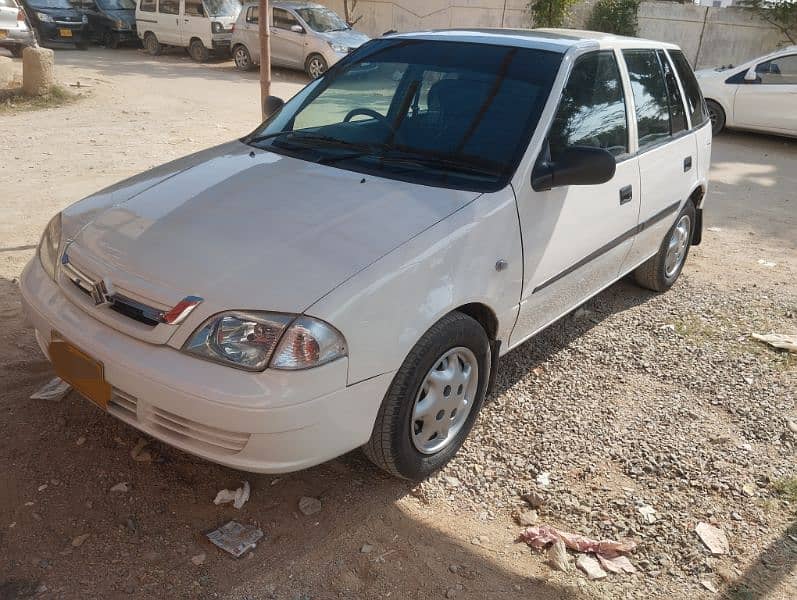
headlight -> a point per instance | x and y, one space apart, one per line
340 49
44 17
49 245
248 340
119 24
216 27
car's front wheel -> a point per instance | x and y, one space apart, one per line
717 116
152 45
661 271
198 51
433 400
315 66
242 58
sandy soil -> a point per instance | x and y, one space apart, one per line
59 460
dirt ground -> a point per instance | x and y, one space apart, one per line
375 537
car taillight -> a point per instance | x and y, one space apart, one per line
21 15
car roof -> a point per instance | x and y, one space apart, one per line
547 39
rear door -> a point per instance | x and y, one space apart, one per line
576 237
251 32
667 149
168 29
770 102
287 47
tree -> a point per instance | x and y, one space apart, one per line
550 13
348 12
614 16
781 14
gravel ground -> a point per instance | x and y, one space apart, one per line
638 399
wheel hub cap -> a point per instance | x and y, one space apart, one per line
445 400
676 247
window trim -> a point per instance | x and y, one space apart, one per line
662 55
692 126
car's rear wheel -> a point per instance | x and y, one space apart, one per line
433 400
152 45
315 66
661 271
717 116
242 58
198 51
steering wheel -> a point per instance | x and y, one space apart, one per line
368 113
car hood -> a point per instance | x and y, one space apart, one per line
247 229
349 38
128 17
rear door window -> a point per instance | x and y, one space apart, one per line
650 96
592 110
677 110
779 71
694 97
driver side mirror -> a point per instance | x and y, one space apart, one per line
751 76
271 105
577 165
297 29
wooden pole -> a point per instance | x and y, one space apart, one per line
265 53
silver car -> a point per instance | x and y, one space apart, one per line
304 35
15 35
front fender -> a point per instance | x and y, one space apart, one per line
385 309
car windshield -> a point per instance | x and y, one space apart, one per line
322 19
117 4
438 113
222 8
51 3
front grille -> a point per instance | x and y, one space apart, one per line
213 439
135 312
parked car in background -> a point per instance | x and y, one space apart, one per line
304 35
760 95
112 22
201 26
15 35
57 22
349 273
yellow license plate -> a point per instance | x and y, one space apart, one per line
3 34
79 370
65 32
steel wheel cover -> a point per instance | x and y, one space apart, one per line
444 400
676 247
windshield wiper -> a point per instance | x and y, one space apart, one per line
326 140
418 161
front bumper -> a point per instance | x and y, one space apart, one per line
57 33
269 422
221 42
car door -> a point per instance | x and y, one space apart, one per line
194 22
575 238
769 102
168 30
251 32
667 150
287 47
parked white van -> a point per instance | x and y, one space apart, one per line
201 26
348 274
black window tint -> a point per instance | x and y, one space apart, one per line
283 19
694 97
650 96
778 71
147 6
252 14
194 8
592 109
169 7
677 111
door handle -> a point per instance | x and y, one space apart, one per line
687 163
626 194
185 20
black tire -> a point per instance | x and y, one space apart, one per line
16 51
717 116
315 66
653 274
242 58
82 45
391 446
198 51
152 45
111 40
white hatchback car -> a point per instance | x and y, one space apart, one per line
348 274
760 95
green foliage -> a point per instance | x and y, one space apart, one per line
550 13
787 488
614 16
781 14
